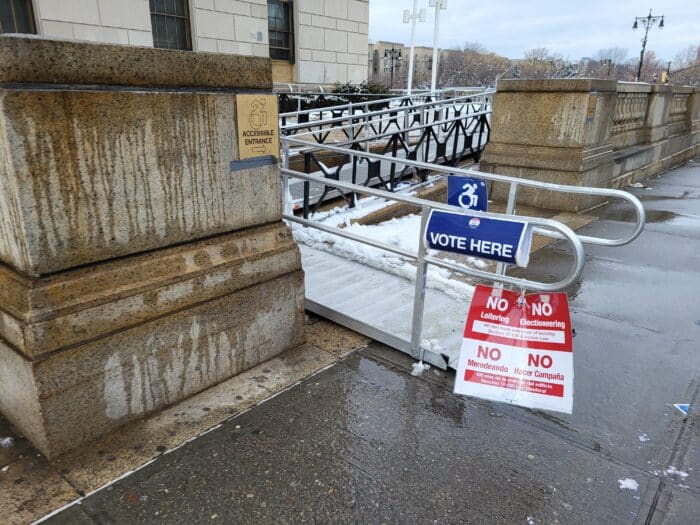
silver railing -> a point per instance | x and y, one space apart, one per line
407 104
540 226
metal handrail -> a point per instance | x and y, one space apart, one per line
377 101
426 206
449 120
349 105
514 183
423 259
430 105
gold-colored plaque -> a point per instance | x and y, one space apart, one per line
258 126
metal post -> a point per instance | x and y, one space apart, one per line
307 169
287 206
641 55
419 291
439 4
414 15
647 21
510 210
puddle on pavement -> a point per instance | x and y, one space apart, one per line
655 217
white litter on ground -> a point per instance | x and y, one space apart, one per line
6 442
636 185
628 483
418 368
643 438
432 345
673 471
530 520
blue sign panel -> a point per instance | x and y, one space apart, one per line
467 192
683 407
495 239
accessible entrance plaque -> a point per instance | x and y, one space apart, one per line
518 349
258 126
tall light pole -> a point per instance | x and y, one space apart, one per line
437 4
648 22
393 56
411 16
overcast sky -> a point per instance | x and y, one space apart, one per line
571 28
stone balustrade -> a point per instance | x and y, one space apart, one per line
588 132
630 111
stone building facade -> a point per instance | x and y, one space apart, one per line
379 63
309 41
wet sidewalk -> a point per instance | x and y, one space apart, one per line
365 442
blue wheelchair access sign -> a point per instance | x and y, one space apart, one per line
467 192
499 240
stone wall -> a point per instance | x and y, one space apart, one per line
139 263
331 40
330 36
231 26
588 132
122 22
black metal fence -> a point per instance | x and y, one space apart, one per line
444 132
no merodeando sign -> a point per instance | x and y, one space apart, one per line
518 349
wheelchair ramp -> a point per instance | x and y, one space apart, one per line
379 305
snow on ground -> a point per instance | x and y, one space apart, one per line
418 368
402 232
628 483
673 471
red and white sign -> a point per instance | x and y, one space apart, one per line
518 349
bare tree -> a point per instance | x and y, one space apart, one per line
651 68
685 67
540 62
472 65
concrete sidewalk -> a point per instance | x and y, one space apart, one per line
365 442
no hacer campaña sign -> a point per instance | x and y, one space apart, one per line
518 349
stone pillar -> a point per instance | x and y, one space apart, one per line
694 116
656 123
555 131
141 261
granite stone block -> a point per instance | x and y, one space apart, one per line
73 396
86 176
51 61
40 316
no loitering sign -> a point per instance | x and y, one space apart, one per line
518 349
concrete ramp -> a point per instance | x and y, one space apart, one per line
380 305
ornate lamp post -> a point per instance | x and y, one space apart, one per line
392 59
647 22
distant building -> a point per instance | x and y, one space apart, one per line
309 41
381 61
379 64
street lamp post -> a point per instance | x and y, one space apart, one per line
648 22
438 5
393 56
412 17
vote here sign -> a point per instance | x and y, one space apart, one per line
496 239
518 349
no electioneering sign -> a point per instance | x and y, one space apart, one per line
518 349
